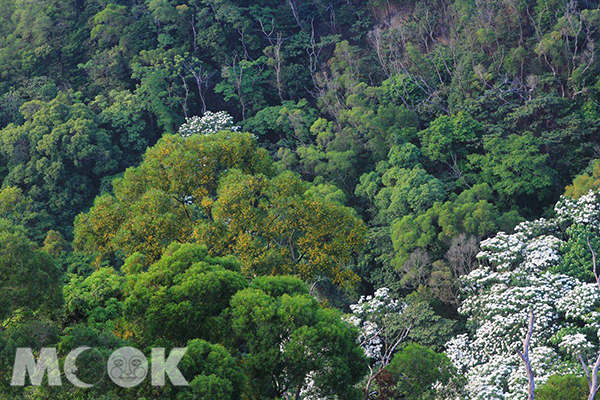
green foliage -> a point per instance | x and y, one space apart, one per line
567 387
58 156
109 25
400 186
288 124
449 137
242 82
182 296
470 212
407 191
577 257
91 364
277 286
515 168
214 373
427 328
583 183
327 192
417 369
273 334
24 331
30 280
124 114
94 300
19 209
290 337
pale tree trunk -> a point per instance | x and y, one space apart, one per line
390 345
525 357
592 377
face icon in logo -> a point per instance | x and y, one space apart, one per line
127 367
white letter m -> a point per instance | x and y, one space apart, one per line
25 363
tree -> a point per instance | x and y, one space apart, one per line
109 24
515 274
524 356
125 114
214 372
30 280
567 387
182 296
288 343
20 209
576 258
407 191
276 228
243 81
58 156
470 212
209 123
182 192
385 323
95 300
418 369
162 90
515 167
583 183
163 199
450 137
295 347
288 125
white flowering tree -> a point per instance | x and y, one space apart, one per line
210 122
515 277
378 318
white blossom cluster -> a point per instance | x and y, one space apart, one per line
585 210
580 303
209 123
370 315
575 344
309 390
503 250
514 277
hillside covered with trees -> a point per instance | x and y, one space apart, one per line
326 199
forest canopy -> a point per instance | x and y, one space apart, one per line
317 199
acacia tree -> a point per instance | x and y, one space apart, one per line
218 189
275 227
164 198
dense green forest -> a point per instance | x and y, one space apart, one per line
326 199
